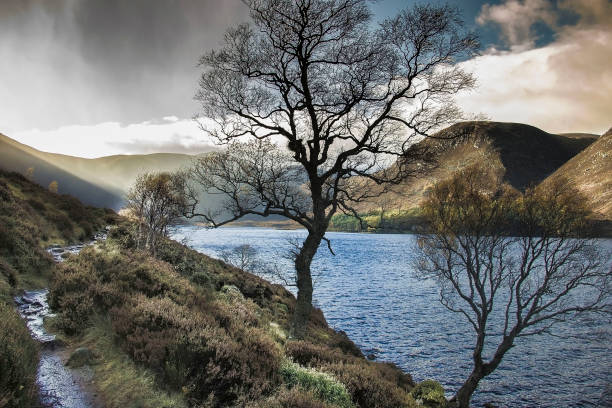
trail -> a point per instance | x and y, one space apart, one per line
59 385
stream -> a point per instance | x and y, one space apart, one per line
59 386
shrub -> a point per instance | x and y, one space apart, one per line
6 238
191 351
322 385
430 394
36 204
291 398
62 223
71 205
8 272
367 387
307 354
18 361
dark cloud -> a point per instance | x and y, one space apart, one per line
90 61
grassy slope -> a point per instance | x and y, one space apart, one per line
211 333
17 157
182 330
524 154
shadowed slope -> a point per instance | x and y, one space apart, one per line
525 154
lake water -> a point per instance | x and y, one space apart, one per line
368 290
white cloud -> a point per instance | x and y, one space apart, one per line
104 139
565 86
516 18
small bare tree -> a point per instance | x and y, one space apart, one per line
346 98
244 257
510 263
156 200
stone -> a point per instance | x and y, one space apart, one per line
80 357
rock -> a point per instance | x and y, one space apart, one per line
80 357
53 344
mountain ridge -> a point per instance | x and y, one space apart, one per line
99 181
525 154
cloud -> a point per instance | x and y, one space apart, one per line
516 19
85 62
565 86
109 138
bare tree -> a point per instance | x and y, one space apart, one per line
348 99
244 257
512 264
156 200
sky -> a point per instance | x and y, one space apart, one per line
97 77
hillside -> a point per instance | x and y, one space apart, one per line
180 330
30 219
101 182
525 154
590 171
17 157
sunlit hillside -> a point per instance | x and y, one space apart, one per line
101 182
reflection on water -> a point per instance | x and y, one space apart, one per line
368 290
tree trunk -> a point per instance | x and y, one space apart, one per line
464 395
303 306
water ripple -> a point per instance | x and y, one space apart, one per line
369 291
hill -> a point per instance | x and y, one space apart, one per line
17 157
101 182
525 155
590 171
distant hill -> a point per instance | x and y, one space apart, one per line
101 182
590 171
526 155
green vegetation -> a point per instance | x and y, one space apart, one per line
378 221
323 385
430 393
122 382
